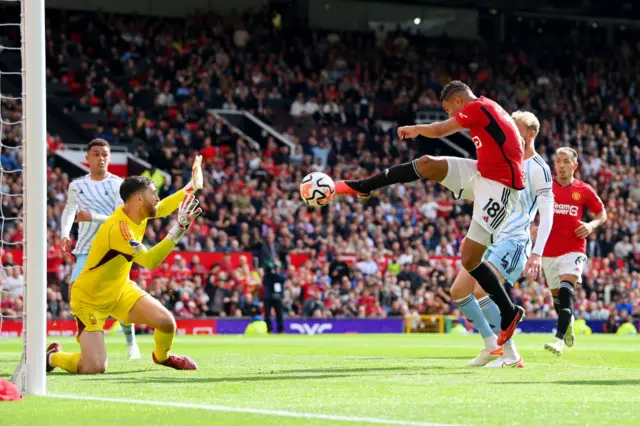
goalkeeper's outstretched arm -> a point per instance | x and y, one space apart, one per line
170 204
122 241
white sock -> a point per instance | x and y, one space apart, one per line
491 343
510 351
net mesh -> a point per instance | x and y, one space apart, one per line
12 286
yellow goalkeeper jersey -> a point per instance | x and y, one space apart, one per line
116 246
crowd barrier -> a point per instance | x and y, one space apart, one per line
211 326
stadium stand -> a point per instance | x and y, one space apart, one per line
150 84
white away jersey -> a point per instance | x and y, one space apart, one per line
100 198
538 183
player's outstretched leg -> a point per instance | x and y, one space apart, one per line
565 333
129 331
462 293
472 261
149 311
425 167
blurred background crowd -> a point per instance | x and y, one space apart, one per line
338 98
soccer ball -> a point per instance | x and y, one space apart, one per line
317 189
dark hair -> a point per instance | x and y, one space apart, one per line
454 87
97 142
134 184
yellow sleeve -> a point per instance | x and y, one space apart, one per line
170 204
121 240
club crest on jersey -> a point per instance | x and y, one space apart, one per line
575 196
92 319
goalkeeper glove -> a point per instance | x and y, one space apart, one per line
197 179
187 213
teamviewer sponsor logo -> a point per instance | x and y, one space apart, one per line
311 329
566 209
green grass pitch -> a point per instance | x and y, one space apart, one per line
343 380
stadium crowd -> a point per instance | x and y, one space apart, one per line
339 98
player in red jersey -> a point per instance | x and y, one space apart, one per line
564 254
493 181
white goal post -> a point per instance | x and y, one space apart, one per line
30 375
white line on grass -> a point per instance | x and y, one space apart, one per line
264 412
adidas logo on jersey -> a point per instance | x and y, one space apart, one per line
485 218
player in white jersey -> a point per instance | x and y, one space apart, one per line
510 249
90 200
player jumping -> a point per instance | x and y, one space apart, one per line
565 255
495 181
509 251
104 289
90 200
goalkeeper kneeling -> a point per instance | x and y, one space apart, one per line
104 289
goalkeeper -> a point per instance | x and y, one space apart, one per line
104 289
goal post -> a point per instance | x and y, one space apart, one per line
31 375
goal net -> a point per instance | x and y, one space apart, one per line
23 232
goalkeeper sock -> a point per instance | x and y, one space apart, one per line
65 360
471 310
403 173
492 314
565 297
163 345
129 333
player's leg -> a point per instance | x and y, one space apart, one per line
129 331
550 267
507 259
493 204
462 293
425 167
566 294
472 260
510 357
147 310
563 273
268 304
279 315
92 358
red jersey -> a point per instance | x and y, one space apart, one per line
498 144
570 202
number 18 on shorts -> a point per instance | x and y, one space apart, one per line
493 203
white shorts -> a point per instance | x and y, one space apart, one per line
492 201
567 264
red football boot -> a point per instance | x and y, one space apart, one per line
177 362
505 335
51 349
343 188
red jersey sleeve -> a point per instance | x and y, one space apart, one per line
471 116
593 202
